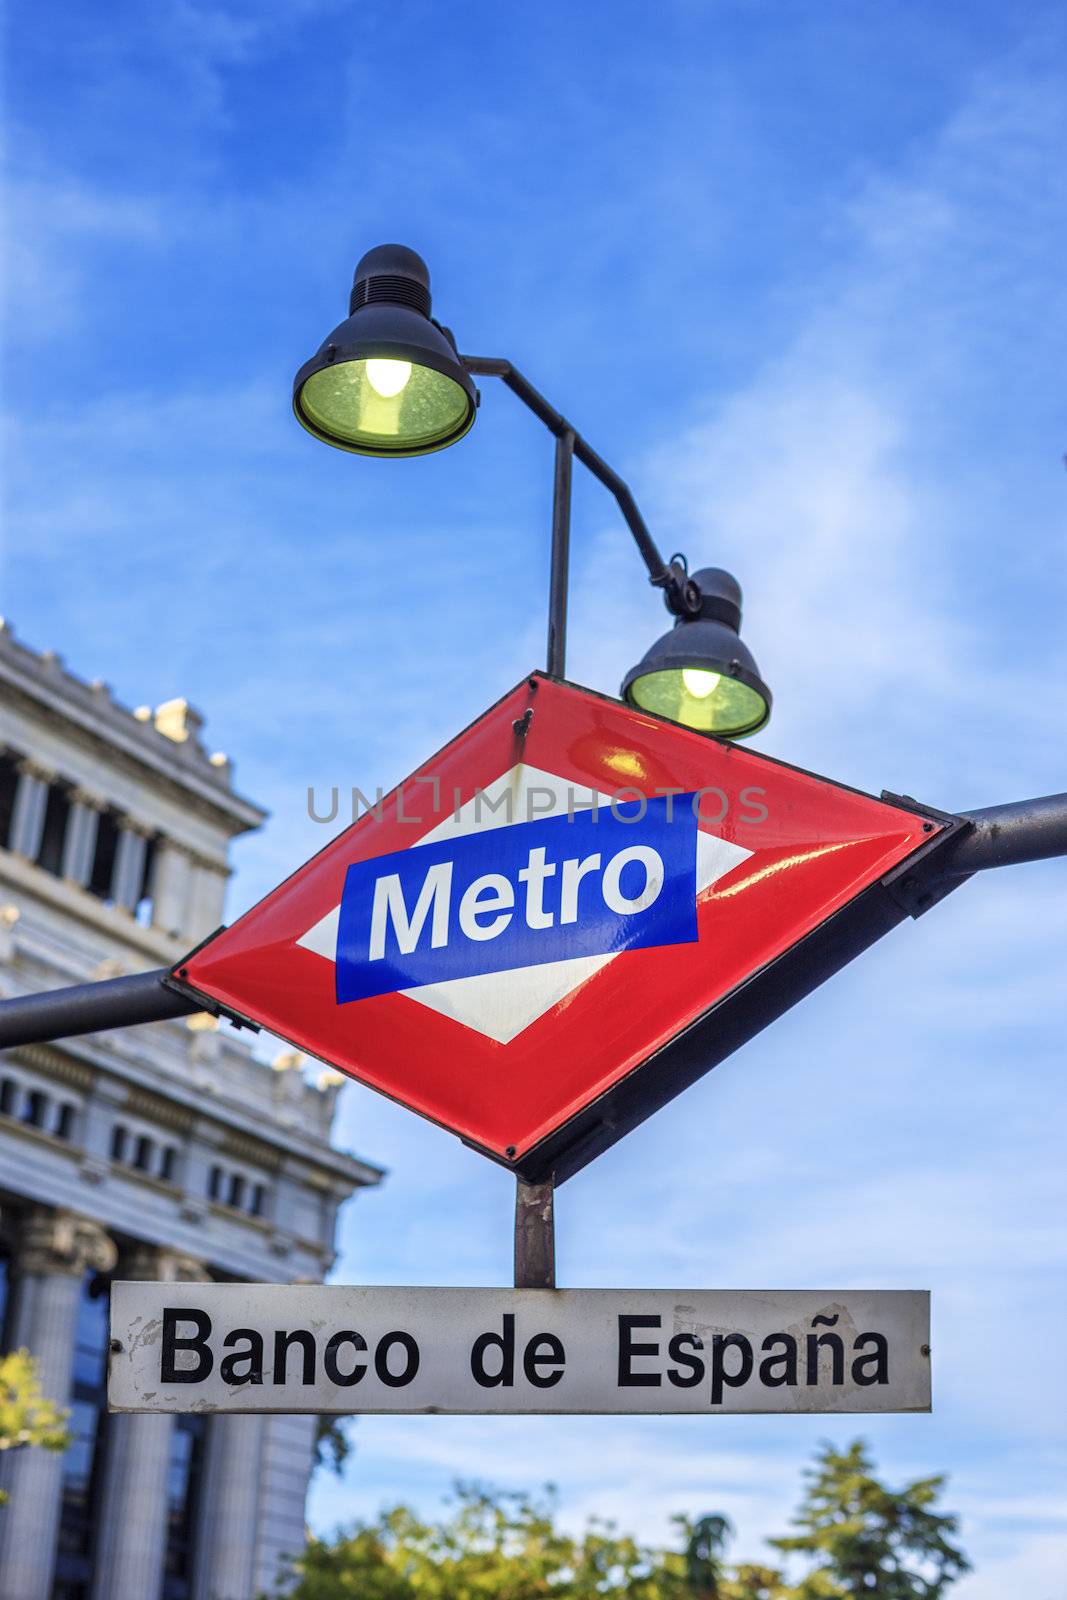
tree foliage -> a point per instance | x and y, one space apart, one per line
333 1445
26 1417
869 1541
494 1546
856 1537
754 1582
705 1544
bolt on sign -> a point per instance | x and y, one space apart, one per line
268 1347
561 920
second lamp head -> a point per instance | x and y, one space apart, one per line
700 673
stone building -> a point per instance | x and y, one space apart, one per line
168 1151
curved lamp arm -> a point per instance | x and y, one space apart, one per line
682 595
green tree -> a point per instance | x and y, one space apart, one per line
333 1446
862 1541
705 1541
867 1541
26 1417
752 1582
492 1546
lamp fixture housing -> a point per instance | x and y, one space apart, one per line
387 381
700 673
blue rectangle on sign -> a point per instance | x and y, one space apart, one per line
515 896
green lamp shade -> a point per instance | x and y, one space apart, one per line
388 381
701 674
382 406
710 702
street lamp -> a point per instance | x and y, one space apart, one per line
390 382
700 673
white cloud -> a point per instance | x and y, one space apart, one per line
1030 1566
51 220
846 484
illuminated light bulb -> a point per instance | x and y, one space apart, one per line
699 683
387 378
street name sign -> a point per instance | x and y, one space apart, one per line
566 916
267 1347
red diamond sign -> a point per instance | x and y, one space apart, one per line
562 919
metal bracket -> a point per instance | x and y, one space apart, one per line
917 884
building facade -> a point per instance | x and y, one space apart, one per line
167 1151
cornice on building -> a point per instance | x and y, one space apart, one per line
157 947
164 744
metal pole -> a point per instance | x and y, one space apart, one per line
659 571
1004 836
90 1008
561 543
999 836
535 1236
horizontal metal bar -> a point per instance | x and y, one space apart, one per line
90 1008
492 367
999 836
1006 835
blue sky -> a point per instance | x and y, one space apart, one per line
797 270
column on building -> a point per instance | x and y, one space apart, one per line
128 874
207 895
9 917
79 839
172 878
27 817
53 1253
103 1108
132 1540
226 1537
201 1150
288 1454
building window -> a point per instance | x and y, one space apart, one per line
118 1142
83 1461
56 817
9 782
238 1191
183 1479
142 1155
107 843
143 907
36 1108
9 1090
64 1121
166 1164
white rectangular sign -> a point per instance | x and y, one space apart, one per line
268 1347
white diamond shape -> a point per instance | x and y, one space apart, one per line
501 1004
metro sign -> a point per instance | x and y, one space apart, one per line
565 917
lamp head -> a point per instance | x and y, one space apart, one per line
700 674
388 381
